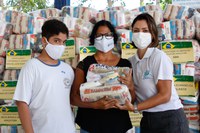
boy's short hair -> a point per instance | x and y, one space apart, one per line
53 27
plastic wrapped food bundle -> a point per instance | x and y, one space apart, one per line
102 80
90 94
97 72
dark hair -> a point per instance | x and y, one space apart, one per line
103 23
53 27
151 25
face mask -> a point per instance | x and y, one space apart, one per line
54 51
104 44
141 40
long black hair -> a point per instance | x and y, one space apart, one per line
103 23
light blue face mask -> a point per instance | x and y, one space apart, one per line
104 45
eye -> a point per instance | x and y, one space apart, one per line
146 31
135 31
98 35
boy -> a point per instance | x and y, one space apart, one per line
43 88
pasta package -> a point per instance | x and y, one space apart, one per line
91 94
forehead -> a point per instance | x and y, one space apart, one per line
103 30
60 36
140 24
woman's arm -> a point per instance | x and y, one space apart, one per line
163 96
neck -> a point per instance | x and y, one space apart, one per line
141 52
103 56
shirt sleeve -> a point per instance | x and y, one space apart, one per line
23 91
163 67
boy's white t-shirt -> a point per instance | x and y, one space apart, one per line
154 66
46 90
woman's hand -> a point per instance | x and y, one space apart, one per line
127 106
127 79
105 103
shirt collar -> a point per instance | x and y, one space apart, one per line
146 55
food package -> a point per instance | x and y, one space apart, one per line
4 45
6 30
125 36
97 72
173 12
196 19
38 23
102 80
80 42
176 30
11 75
46 13
120 8
164 31
2 64
85 13
191 108
82 28
91 94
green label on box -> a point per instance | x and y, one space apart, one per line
69 50
15 59
175 45
9 116
179 51
18 52
185 85
128 50
86 51
7 89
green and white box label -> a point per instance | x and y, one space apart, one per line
15 59
9 116
179 51
69 50
185 85
7 89
86 51
128 50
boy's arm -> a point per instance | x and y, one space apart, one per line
25 117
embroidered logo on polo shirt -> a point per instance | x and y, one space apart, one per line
67 83
147 75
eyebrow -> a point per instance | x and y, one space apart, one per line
141 28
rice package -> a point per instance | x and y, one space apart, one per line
91 94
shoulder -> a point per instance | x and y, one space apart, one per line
88 58
31 63
159 54
69 68
124 63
